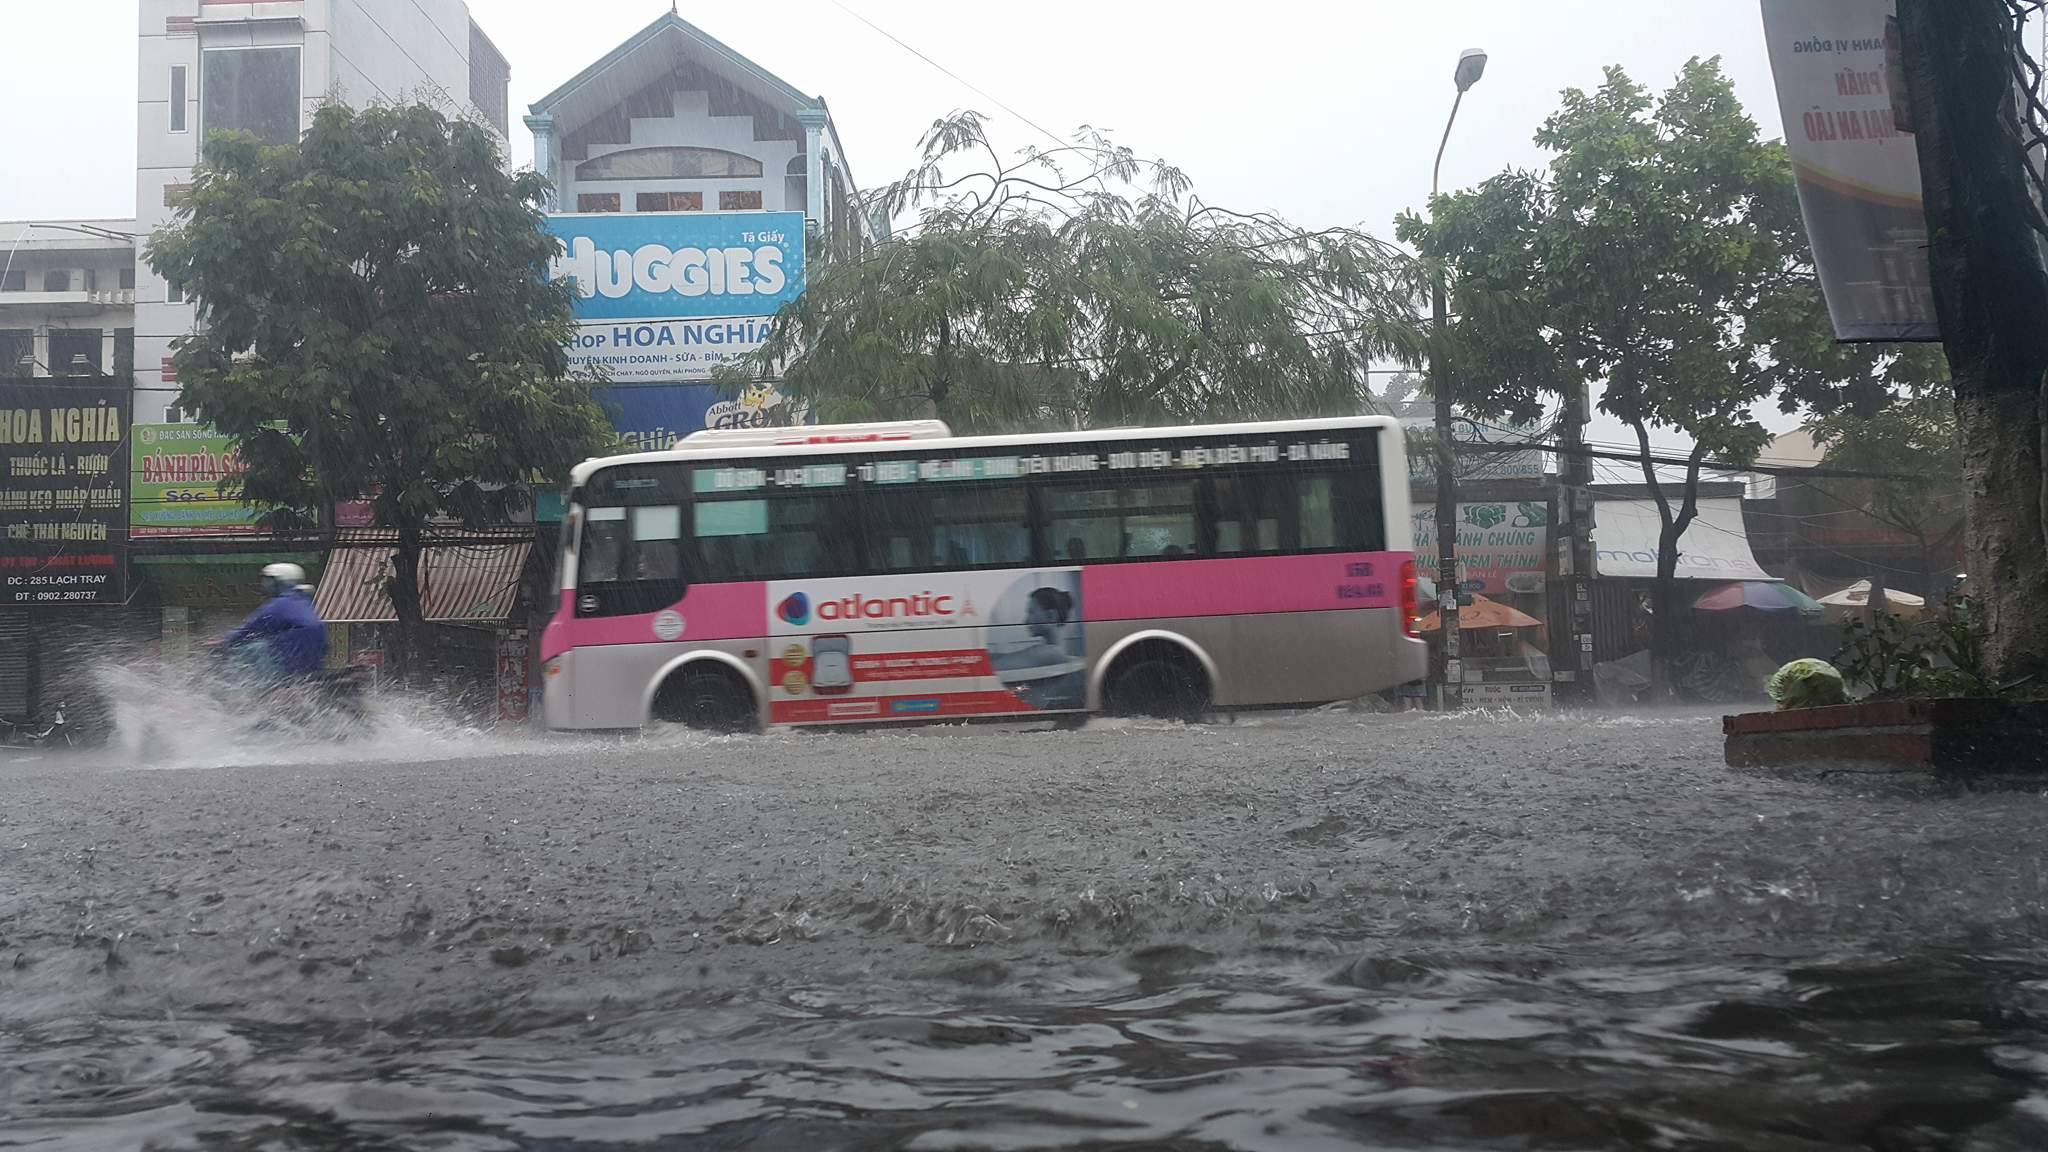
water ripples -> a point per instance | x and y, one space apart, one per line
1407 1052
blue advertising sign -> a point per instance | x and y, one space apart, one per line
669 296
651 418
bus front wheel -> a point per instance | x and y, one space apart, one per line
1158 679
710 699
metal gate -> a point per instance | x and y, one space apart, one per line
15 663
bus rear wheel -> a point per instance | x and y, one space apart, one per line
709 699
1159 680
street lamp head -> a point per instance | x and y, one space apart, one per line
1471 66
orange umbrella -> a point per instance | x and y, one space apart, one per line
1483 613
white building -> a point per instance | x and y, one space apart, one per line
67 298
265 67
675 121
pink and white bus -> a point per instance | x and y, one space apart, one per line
866 574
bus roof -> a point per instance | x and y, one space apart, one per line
690 449
884 432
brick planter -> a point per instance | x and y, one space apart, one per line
1957 740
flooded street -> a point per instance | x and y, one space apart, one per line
1304 931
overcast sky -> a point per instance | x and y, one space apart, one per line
1326 112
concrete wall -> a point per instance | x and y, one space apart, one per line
399 51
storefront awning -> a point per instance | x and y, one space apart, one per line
1715 545
467 582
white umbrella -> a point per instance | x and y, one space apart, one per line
1854 600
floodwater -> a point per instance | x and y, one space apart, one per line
1330 930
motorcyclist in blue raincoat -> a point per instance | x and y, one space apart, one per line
285 638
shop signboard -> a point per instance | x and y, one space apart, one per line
1521 696
1500 544
652 417
670 296
1501 459
1848 132
180 479
63 493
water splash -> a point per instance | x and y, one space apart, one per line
168 716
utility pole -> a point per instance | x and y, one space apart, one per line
1571 663
1450 672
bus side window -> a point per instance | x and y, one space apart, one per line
986 526
1159 519
1339 510
604 545
1082 523
1247 515
657 542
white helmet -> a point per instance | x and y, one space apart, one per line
281 578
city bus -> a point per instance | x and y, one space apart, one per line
873 576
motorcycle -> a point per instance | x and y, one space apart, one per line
34 732
332 702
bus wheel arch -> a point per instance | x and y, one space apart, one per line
1156 673
711 691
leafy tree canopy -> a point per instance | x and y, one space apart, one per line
1081 286
1916 436
376 320
1662 257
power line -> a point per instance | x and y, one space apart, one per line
1594 453
1057 142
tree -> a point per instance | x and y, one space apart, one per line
1661 256
1046 291
1914 436
376 320
1966 70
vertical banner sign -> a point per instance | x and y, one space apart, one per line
511 675
1858 173
63 493
669 296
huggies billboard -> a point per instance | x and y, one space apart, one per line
669 296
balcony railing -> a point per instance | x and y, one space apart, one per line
102 298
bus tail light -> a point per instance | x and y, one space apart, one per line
1408 598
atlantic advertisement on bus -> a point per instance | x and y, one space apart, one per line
64 509
959 644
669 296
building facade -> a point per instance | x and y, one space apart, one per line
675 121
265 68
67 298
674 143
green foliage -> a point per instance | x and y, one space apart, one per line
1660 257
1940 656
1914 434
1047 291
376 318
380 289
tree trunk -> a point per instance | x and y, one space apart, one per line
1664 593
1990 294
406 652
1664 615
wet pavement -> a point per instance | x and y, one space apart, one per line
1297 931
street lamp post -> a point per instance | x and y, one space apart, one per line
1471 66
